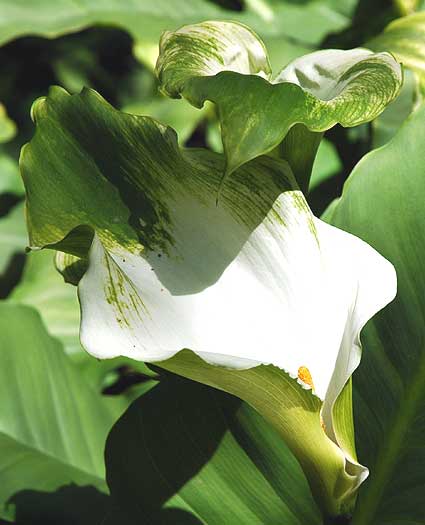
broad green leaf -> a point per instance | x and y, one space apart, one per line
13 235
211 462
383 203
42 287
227 64
165 260
289 30
52 425
144 18
405 38
7 126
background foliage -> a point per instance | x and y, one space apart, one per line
205 455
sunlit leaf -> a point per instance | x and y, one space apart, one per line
383 203
52 426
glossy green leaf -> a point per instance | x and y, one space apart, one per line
162 245
42 287
171 460
227 64
52 426
383 203
13 235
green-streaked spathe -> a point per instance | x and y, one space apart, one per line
236 283
226 63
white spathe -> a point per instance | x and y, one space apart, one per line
296 295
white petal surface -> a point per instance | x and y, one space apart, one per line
323 73
295 294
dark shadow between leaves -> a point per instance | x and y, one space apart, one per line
76 505
12 275
164 517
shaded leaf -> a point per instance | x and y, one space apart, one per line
215 460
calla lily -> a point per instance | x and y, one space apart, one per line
227 63
254 296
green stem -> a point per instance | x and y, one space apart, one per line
299 149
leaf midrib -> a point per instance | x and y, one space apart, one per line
389 452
